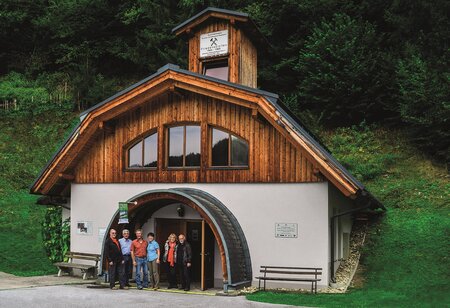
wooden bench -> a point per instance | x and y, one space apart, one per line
86 269
290 274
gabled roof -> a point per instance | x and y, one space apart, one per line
243 19
170 76
208 13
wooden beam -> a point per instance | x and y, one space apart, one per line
66 176
106 127
174 90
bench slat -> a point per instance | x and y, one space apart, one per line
290 272
85 258
288 279
288 267
74 265
83 253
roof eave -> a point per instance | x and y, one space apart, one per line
270 97
184 24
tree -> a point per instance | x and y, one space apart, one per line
341 71
424 102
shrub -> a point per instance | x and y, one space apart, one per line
55 234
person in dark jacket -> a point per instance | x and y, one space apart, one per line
183 262
114 257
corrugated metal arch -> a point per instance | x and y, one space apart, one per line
235 255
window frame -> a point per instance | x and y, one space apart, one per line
210 146
132 143
167 145
215 61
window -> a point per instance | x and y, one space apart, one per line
144 153
228 150
184 146
216 69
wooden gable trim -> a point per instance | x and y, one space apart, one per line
87 129
166 82
344 186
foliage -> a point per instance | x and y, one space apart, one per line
32 98
424 102
25 147
342 75
406 257
55 234
343 61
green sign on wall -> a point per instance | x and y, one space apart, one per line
123 212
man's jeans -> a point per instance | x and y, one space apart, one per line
141 265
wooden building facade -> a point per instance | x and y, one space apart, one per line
208 141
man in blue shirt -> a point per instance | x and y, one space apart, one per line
153 253
125 244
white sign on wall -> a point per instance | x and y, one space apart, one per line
286 230
214 44
101 234
84 227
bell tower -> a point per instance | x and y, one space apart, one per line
222 44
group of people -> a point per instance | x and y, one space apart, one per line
145 256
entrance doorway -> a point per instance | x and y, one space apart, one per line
220 232
202 241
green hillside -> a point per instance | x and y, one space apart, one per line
406 260
26 143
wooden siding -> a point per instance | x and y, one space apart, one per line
248 60
272 158
242 54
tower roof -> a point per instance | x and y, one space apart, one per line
242 19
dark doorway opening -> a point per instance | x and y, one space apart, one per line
202 241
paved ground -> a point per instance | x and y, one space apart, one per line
8 281
81 296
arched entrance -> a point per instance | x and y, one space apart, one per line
232 245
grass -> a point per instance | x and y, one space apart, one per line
407 255
25 146
406 258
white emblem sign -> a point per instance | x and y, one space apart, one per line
286 230
214 44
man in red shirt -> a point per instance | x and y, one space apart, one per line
139 257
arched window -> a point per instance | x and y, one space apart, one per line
144 153
228 150
184 146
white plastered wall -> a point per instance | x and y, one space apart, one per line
338 203
257 207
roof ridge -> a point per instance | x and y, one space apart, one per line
204 11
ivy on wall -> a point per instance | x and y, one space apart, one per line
55 234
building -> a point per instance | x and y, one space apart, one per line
205 152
